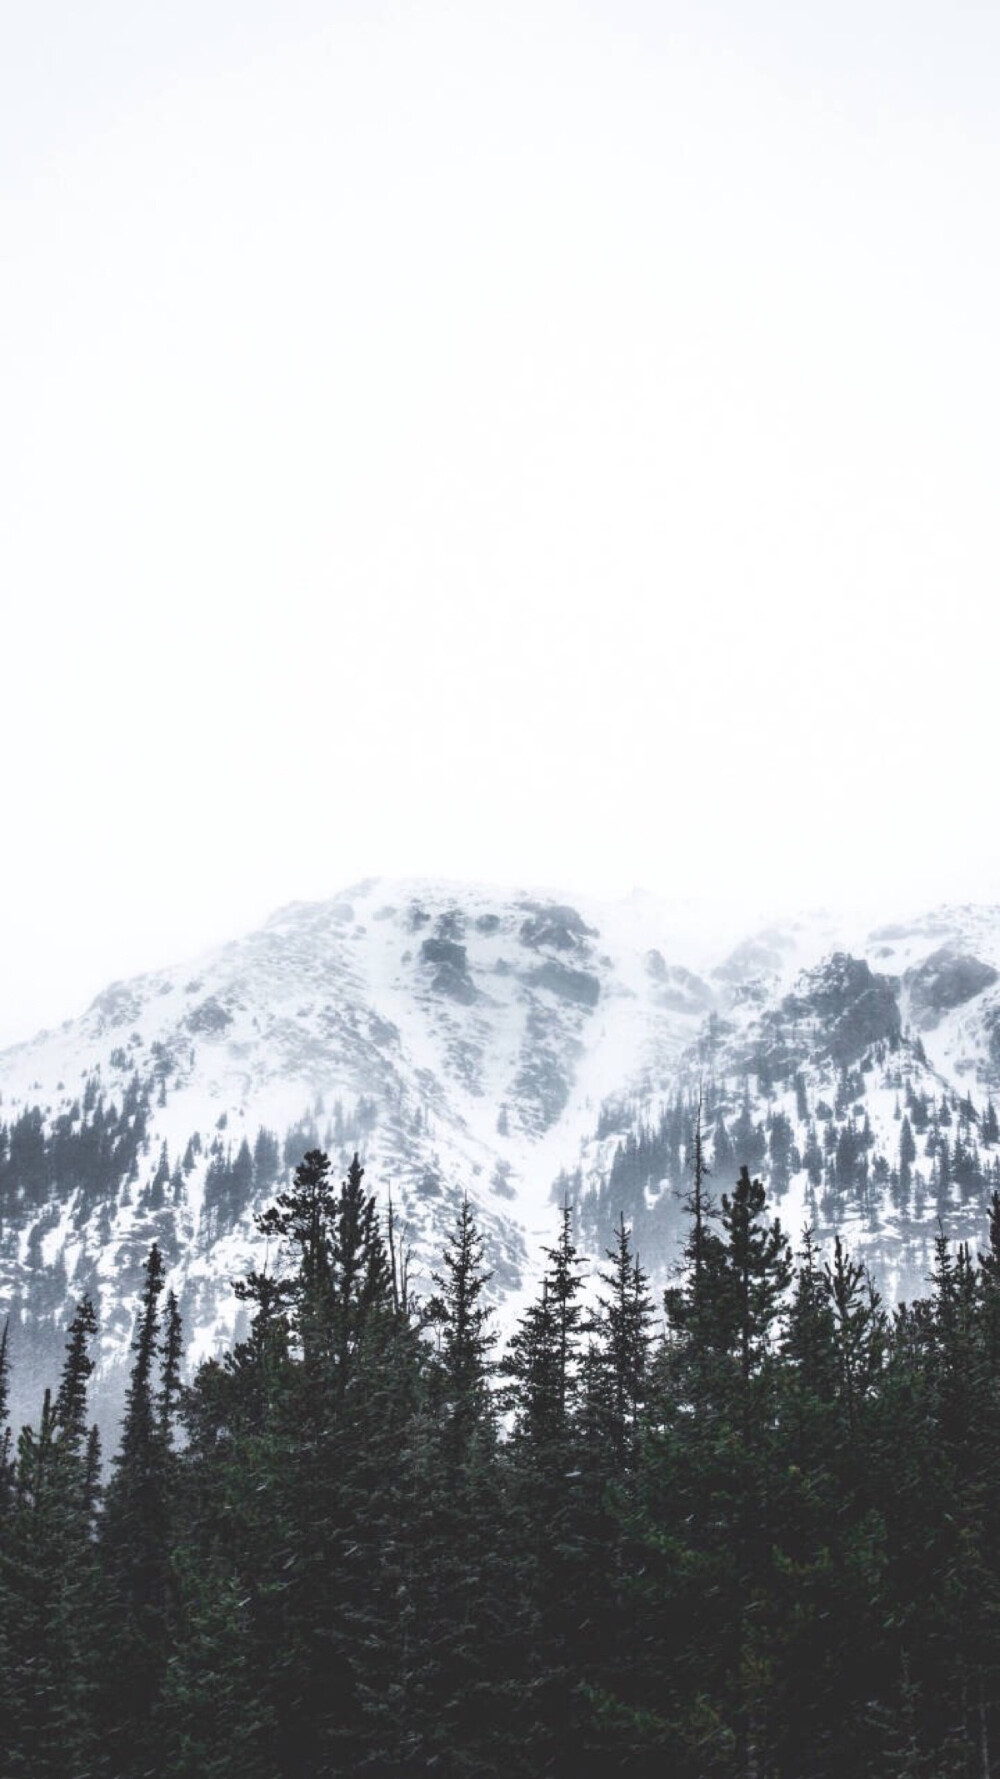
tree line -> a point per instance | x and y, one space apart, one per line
752 1531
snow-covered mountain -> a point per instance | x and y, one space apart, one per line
508 1046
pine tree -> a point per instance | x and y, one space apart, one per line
698 1309
466 1343
617 1379
618 1368
859 1331
700 1209
544 1354
548 1474
757 1269
335 1368
172 1352
342 1277
218 1708
989 1283
47 1581
135 1544
464 1572
6 1440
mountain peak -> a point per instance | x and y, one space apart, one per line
498 1043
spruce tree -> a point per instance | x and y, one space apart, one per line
464 1573
172 1353
758 1268
135 1547
218 1708
6 1440
858 1331
618 1368
466 1343
617 1384
335 1369
544 1354
47 1582
544 1365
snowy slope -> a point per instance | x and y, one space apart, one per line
482 1041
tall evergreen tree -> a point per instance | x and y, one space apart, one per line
618 1369
859 1329
172 1352
135 1546
6 1442
464 1579
465 1362
47 1582
544 1354
544 1365
758 1270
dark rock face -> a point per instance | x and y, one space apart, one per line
500 1183
446 952
991 1022
543 1080
945 980
118 1005
577 986
853 1007
755 957
680 989
553 924
382 1032
451 924
208 1019
684 992
451 966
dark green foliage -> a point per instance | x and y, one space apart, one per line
549 1494
765 1543
136 1536
464 1405
544 1354
87 1151
48 1582
618 1363
6 1472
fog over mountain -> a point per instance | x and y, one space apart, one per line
525 441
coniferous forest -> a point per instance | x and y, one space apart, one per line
753 1529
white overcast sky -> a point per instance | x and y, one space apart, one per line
542 442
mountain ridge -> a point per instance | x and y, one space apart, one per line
507 1045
